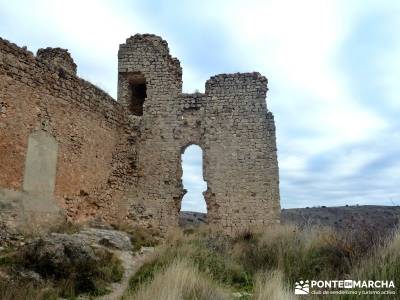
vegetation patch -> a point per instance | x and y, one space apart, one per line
140 236
266 264
41 271
181 279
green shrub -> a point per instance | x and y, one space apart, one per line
91 278
207 253
144 275
71 279
140 236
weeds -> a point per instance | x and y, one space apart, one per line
180 280
270 285
382 264
140 236
265 264
90 277
27 291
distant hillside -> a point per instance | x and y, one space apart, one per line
379 219
190 218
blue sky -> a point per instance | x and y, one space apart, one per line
333 70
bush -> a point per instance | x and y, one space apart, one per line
267 263
145 274
140 236
207 252
69 266
297 253
91 277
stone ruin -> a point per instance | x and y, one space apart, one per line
69 149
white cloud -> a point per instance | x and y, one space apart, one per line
297 44
91 30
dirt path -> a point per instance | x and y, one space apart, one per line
131 264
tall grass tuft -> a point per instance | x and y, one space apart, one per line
270 286
299 254
265 264
180 280
382 264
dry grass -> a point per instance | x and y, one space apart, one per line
382 264
270 286
256 264
139 235
26 291
298 254
180 280
267 263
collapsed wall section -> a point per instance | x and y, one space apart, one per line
232 125
42 96
241 166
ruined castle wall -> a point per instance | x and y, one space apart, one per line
240 152
230 122
153 200
236 132
67 147
87 125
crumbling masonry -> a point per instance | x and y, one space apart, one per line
68 148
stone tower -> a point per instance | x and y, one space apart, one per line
230 122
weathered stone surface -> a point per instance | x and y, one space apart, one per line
9 236
120 161
109 238
94 155
58 57
29 275
230 122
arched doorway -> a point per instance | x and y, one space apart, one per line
193 206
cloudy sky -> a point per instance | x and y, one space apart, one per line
333 70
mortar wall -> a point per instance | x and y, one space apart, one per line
118 163
230 122
87 124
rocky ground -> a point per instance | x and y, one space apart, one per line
378 219
95 261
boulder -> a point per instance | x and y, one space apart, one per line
108 238
29 276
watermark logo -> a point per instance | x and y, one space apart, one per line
302 287
345 287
